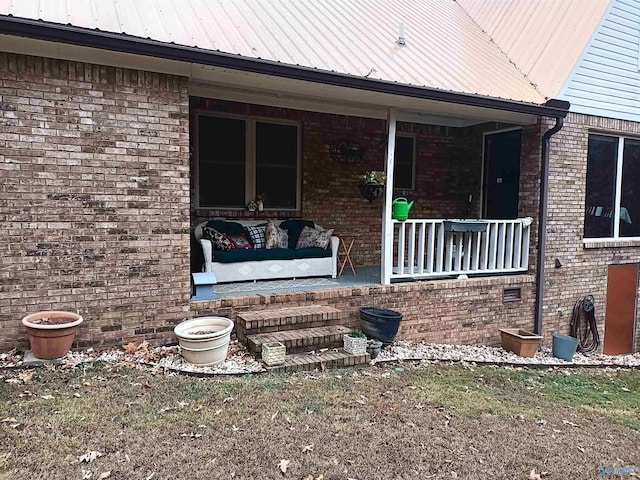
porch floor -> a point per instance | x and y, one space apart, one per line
364 276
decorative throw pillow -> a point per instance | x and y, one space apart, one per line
218 240
313 237
294 228
258 236
240 241
276 237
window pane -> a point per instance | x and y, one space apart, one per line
278 185
630 201
277 164
601 186
403 172
222 162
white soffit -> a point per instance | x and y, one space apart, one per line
288 93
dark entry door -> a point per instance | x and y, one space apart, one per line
622 285
501 175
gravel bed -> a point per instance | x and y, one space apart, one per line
403 350
240 361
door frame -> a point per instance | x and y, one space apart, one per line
483 185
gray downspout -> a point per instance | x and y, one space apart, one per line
542 223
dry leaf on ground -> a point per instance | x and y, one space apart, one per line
90 456
283 465
534 476
25 376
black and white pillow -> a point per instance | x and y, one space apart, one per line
218 240
258 236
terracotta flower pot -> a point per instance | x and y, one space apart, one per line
51 333
520 342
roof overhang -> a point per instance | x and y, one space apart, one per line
222 75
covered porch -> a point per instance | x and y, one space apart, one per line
458 225
459 267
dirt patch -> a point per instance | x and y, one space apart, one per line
394 422
52 320
202 332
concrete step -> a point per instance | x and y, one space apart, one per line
300 340
266 321
306 362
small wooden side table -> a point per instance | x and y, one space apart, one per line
347 239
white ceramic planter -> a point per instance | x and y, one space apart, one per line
205 340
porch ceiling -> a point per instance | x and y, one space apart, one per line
261 89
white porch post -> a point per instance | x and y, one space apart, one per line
387 224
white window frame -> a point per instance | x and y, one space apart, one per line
250 161
413 162
618 195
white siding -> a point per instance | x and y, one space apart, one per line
606 79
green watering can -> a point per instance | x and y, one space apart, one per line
401 208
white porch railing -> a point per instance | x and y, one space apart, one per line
425 248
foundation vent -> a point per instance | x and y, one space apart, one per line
511 294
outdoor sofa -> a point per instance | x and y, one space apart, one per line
256 262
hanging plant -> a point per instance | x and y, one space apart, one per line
371 184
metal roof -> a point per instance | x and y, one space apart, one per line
445 49
544 38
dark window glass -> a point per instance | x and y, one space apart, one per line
277 164
403 167
222 162
601 186
630 200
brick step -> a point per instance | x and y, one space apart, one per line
300 340
305 362
266 321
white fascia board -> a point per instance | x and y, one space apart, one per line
64 51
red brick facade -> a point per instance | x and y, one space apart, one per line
445 311
584 269
96 208
94 197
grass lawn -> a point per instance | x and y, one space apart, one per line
429 421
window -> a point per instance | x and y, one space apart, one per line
241 158
404 162
612 201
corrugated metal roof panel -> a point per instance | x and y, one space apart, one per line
444 48
544 38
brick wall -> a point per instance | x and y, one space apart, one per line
444 311
94 198
95 205
584 269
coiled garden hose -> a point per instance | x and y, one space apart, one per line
583 324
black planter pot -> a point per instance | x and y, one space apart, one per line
370 191
379 323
